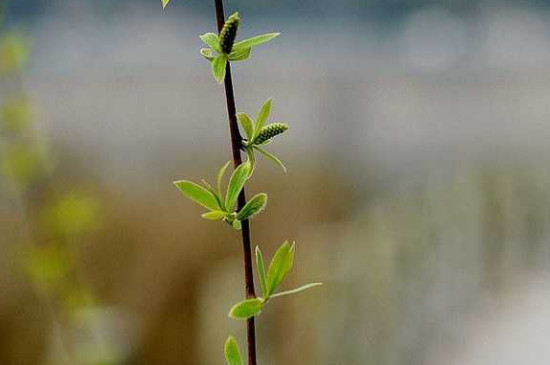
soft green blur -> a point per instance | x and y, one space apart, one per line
46 248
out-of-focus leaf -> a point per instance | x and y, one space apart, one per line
232 352
165 3
16 114
246 309
74 213
22 165
78 298
47 266
14 52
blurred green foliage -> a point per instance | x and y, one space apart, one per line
21 164
14 52
47 266
16 115
56 220
72 214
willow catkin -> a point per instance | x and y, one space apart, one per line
270 131
229 33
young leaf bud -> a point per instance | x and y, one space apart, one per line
229 33
270 131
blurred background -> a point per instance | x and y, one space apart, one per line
418 188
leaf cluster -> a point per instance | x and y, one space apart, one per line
280 266
222 206
255 130
240 51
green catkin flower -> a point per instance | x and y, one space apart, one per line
229 33
270 131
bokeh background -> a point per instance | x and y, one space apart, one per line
418 188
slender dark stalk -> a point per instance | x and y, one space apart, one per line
237 160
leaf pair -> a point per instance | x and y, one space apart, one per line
219 53
280 266
220 205
258 134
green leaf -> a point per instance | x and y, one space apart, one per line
279 267
260 267
236 184
236 224
255 41
252 159
248 125
198 194
221 174
262 117
214 216
208 53
240 54
271 157
297 290
247 308
214 192
253 206
232 352
212 40
219 68
165 3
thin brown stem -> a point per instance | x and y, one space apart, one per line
237 160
